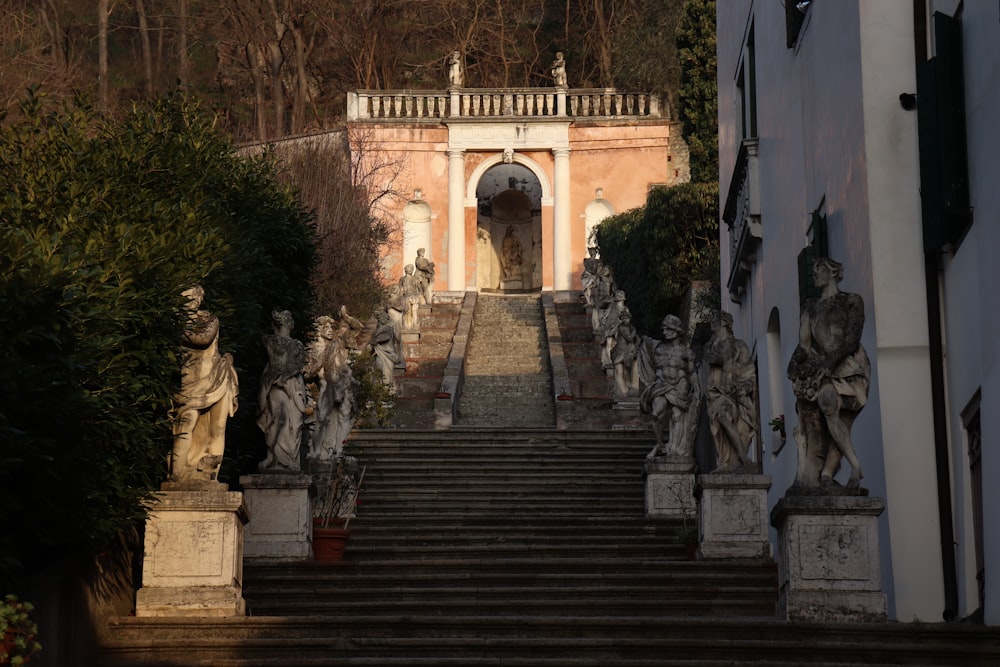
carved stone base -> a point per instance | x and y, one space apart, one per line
512 283
828 554
670 487
193 553
280 508
732 516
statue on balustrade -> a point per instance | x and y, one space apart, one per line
282 399
611 317
830 373
456 78
411 292
425 272
601 293
729 396
328 368
207 397
559 71
591 265
671 395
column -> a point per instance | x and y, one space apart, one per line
456 220
562 260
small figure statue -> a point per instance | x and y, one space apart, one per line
591 265
349 329
411 292
731 383
395 306
456 78
559 71
511 255
328 363
282 398
667 370
383 344
207 398
830 373
601 292
611 317
425 272
625 357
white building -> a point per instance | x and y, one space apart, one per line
818 127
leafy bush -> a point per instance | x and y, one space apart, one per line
18 632
102 225
657 250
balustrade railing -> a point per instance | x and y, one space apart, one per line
500 103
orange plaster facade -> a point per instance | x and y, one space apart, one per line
617 159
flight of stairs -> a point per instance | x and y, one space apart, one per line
507 381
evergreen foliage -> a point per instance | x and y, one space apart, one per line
102 225
655 251
698 94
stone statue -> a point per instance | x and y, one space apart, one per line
411 292
511 255
425 272
456 78
591 265
625 357
282 397
395 305
559 71
611 317
729 393
601 291
671 395
349 329
830 372
328 365
207 398
383 344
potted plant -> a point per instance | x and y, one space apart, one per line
336 505
17 632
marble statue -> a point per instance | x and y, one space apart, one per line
591 266
601 291
349 329
425 273
625 358
511 255
671 394
207 397
383 344
282 398
559 71
611 317
456 77
830 373
729 394
411 292
395 305
328 365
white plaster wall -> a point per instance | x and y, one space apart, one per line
970 277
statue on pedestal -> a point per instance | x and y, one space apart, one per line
282 397
559 71
611 317
456 78
671 395
425 273
383 344
830 373
206 400
511 255
328 364
729 393
625 358
411 292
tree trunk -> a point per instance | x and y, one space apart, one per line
147 51
182 42
102 55
256 62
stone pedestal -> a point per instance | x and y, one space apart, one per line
732 516
193 553
511 283
280 508
828 556
670 487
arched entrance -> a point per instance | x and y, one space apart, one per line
509 229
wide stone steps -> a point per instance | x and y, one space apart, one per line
521 640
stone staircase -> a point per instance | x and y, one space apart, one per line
519 548
507 381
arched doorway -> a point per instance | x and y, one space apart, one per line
509 229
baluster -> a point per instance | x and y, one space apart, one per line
619 109
550 103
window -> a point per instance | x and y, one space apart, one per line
795 16
974 437
746 85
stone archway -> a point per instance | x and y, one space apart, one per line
509 229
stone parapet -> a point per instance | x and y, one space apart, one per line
732 516
670 487
280 509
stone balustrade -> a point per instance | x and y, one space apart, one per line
500 103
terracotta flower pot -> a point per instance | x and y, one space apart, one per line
329 543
